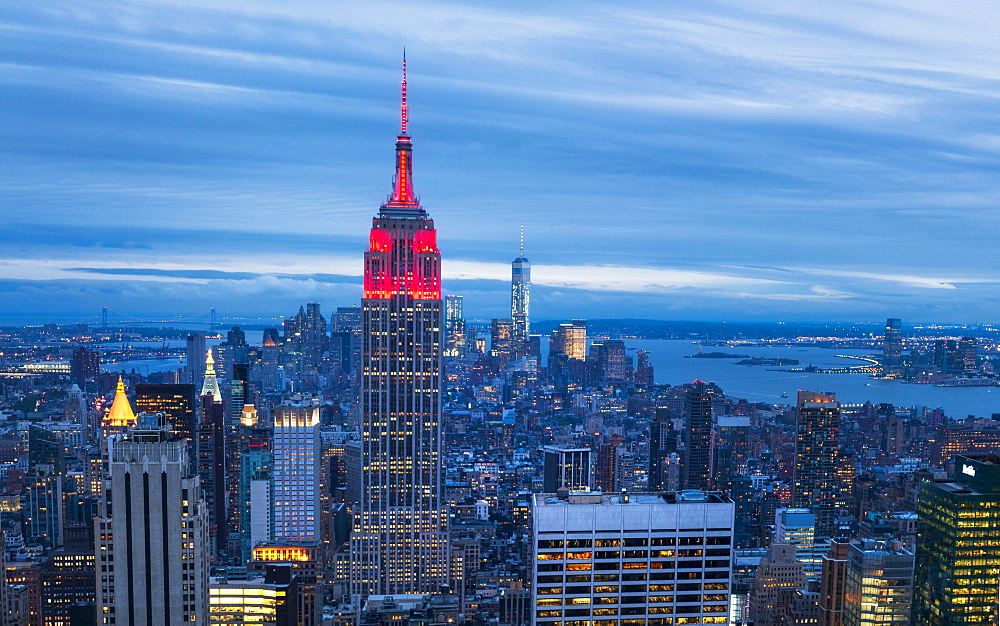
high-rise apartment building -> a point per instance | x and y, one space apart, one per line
831 591
968 354
504 346
878 584
151 534
177 402
520 295
195 349
296 445
454 326
606 465
778 579
570 339
815 484
44 505
256 497
957 572
798 527
566 467
697 463
892 349
612 364
211 467
84 365
663 476
399 542
643 558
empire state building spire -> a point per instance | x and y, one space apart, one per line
402 201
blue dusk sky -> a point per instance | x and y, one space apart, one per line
704 160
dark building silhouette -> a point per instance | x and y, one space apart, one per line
892 349
84 365
566 467
699 450
662 443
177 402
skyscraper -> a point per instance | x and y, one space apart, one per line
520 294
958 556
152 533
194 371
210 383
662 443
504 346
296 473
697 464
399 543
878 584
177 402
892 349
454 320
84 365
815 484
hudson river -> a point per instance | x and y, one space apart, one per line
758 383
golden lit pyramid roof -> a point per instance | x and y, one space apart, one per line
210 387
121 413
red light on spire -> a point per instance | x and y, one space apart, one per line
403 110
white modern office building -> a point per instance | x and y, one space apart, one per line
631 559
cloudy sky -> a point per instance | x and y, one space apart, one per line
683 160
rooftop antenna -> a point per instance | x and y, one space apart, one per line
522 241
403 109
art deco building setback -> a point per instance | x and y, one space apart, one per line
399 542
151 534
632 559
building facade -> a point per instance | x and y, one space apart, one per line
878 584
698 453
400 541
520 295
815 485
642 558
566 467
957 572
296 450
151 534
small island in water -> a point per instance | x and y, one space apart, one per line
757 360
716 355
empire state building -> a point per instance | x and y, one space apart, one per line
399 542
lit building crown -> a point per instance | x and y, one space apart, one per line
121 413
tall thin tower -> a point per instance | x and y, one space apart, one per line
520 294
892 349
817 431
700 447
399 543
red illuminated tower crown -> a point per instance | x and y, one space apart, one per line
403 258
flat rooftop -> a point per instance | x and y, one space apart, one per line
629 498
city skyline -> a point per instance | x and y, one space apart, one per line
849 159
